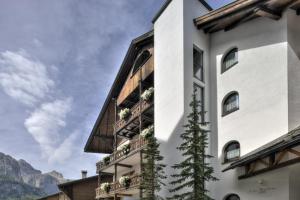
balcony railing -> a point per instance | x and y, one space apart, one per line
116 187
135 145
136 110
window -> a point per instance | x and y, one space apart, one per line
230 59
200 97
232 197
198 63
230 103
232 151
141 60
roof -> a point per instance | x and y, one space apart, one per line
241 11
166 4
52 195
118 83
289 140
91 178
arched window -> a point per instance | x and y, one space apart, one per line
232 197
230 103
230 59
141 60
232 151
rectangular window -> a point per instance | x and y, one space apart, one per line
200 97
198 63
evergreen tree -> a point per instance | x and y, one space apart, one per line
194 170
152 169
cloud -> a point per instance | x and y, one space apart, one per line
45 125
22 78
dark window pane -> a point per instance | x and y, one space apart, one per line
198 64
231 103
200 97
230 59
232 151
141 60
233 197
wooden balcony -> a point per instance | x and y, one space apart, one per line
120 190
135 146
126 127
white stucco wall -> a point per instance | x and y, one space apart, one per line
260 78
293 31
174 36
169 81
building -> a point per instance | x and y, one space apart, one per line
81 189
243 60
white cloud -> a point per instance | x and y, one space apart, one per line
45 125
22 78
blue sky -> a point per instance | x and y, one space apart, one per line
58 59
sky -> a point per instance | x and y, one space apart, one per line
58 59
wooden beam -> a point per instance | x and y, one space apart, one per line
264 11
280 157
264 162
241 20
274 167
123 165
293 151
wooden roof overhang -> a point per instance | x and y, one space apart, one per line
241 11
277 154
101 138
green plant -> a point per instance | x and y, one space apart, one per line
126 149
194 170
148 132
153 173
148 94
105 187
125 181
106 160
124 113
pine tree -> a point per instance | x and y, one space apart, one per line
152 170
194 170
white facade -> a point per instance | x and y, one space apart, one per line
266 78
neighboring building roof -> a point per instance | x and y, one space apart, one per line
78 181
117 85
166 4
289 140
49 196
241 11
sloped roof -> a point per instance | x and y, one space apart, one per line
288 140
116 88
166 4
241 11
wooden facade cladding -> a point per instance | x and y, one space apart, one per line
135 146
274 161
118 189
133 80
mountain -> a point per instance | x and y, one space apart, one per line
20 181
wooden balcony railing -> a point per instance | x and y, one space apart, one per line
135 145
116 187
136 110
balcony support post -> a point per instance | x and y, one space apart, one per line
141 167
115 181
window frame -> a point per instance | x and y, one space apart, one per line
195 48
195 85
134 71
225 159
223 68
231 195
224 113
